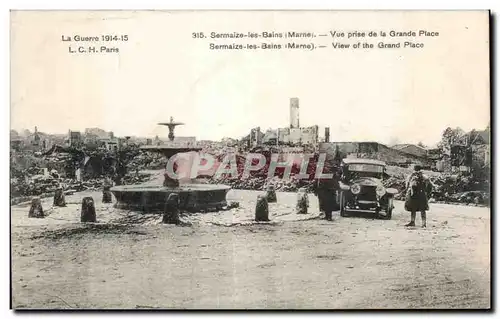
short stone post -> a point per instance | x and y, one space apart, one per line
106 193
271 194
88 214
36 210
302 201
59 199
171 211
262 209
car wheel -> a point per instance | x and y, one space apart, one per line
343 212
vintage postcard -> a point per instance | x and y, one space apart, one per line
250 160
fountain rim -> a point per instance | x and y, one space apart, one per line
181 188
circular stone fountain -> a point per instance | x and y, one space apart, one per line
192 197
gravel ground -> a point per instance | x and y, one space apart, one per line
225 260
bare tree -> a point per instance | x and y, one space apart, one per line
450 137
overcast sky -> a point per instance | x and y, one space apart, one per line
380 95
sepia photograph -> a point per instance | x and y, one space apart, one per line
242 160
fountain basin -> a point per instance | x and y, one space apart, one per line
192 197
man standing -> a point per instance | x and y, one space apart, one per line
326 190
418 192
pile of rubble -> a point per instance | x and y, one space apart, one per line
33 186
46 185
133 179
446 188
251 183
260 183
259 180
471 197
397 182
88 185
40 185
458 188
290 185
147 160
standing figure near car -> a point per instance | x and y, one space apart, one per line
418 192
326 190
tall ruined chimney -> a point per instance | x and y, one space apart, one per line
327 134
294 112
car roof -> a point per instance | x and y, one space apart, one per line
362 161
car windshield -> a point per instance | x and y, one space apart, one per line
353 171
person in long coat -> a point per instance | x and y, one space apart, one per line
326 190
418 192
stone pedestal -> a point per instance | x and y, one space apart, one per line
36 210
262 209
88 214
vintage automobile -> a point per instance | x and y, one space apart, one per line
361 188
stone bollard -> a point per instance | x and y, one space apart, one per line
171 211
59 199
88 214
271 194
36 210
262 209
106 193
302 201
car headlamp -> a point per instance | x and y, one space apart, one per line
380 190
355 189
